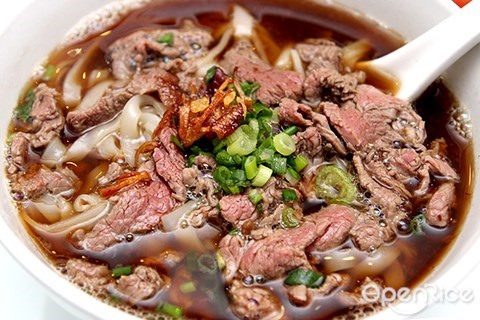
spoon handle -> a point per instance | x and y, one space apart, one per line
418 63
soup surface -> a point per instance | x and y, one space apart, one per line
223 160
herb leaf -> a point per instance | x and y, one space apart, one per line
210 74
166 39
417 223
23 111
249 87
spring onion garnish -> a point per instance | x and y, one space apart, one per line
334 185
288 218
122 271
284 144
188 287
300 163
291 130
292 176
210 74
417 223
264 173
301 276
250 166
166 39
234 232
249 88
289 195
254 196
279 164
22 112
225 159
177 142
170 310
49 72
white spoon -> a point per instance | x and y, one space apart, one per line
418 63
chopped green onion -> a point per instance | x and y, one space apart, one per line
49 72
291 130
23 111
288 218
170 310
166 39
300 163
334 185
121 271
239 175
210 74
301 276
174 139
254 196
292 176
225 159
207 263
266 156
417 223
264 173
249 88
279 164
250 166
234 232
242 146
10 138
289 195
284 144
188 287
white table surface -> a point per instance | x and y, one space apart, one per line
21 297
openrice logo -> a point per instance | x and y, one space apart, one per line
413 301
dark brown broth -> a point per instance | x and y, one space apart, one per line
288 22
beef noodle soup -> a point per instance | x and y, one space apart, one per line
223 160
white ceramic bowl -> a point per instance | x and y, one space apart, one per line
44 24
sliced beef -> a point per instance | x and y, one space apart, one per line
170 162
442 168
340 220
301 295
137 211
369 233
201 183
204 162
237 209
320 53
105 109
231 249
153 80
142 284
281 250
374 119
275 84
39 181
292 112
88 275
18 153
114 171
254 302
328 84
142 49
308 141
324 74
439 206
47 119
386 199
